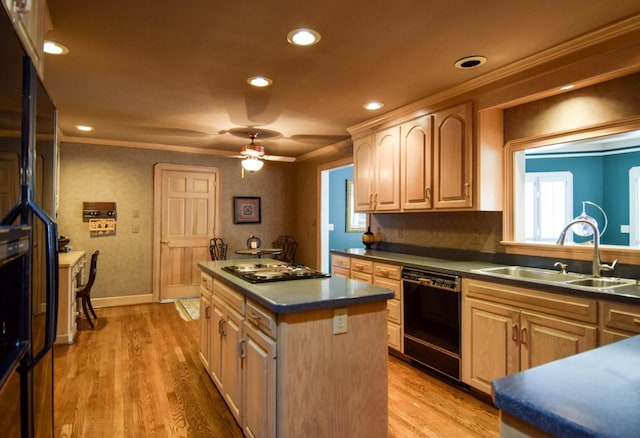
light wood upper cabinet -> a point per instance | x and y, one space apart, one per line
387 171
453 157
376 173
363 173
417 164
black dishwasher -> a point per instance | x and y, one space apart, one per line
432 320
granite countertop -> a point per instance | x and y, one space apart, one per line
299 295
471 269
591 394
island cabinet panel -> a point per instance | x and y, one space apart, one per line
618 321
332 385
205 320
259 356
225 339
509 329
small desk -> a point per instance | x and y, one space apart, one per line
70 269
259 252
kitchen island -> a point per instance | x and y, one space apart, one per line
297 358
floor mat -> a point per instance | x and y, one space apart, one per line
189 308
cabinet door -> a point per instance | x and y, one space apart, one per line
232 372
417 162
490 343
387 179
259 384
363 165
215 330
544 339
453 155
205 327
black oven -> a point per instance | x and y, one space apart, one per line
432 320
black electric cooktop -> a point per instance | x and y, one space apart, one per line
269 272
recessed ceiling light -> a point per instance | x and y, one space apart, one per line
372 106
303 37
470 62
85 128
260 81
53 48
567 87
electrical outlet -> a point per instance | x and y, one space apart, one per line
340 321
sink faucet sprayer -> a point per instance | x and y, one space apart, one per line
596 266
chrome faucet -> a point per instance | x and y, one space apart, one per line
596 266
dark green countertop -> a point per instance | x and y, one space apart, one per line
299 295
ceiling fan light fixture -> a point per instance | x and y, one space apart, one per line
252 164
259 81
372 106
303 37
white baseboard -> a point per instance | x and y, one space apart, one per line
126 300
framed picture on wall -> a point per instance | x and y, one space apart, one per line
355 222
246 210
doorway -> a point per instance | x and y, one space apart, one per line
186 208
333 229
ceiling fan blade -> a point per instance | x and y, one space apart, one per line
278 158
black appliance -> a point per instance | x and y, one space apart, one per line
273 271
28 244
432 320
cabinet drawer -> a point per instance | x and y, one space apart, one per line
394 285
621 316
340 271
262 318
394 336
235 299
206 281
393 309
340 261
367 278
384 270
364 266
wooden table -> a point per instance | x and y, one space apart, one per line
70 269
259 252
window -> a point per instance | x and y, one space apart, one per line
548 200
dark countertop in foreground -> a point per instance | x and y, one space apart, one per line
592 394
299 295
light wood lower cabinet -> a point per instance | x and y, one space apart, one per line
259 356
226 335
509 329
389 277
205 321
340 265
362 270
618 321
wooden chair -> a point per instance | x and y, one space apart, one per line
84 293
289 247
217 249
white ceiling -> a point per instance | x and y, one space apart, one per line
175 72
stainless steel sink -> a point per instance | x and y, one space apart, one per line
602 282
524 272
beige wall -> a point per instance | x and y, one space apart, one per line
125 176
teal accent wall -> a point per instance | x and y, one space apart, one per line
339 238
603 179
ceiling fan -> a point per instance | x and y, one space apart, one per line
253 154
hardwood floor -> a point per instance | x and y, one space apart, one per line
138 375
